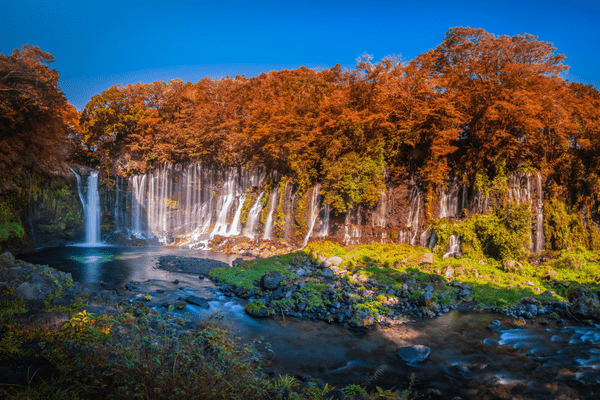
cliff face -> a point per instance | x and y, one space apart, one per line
192 204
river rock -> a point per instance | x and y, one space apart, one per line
448 273
197 301
52 320
413 354
586 307
335 260
271 280
464 293
426 258
7 260
105 297
495 326
328 273
426 299
33 291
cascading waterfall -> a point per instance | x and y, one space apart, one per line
453 247
269 221
92 217
448 207
314 207
325 224
414 211
91 207
539 216
253 216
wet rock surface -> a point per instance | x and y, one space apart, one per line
189 265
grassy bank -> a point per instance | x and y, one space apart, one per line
494 284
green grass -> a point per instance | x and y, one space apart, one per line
250 271
10 230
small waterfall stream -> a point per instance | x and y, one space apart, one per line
91 207
269 222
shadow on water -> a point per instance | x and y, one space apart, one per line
466 360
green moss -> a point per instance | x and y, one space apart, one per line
11 230
250 271
248 202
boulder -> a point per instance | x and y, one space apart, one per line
7 260
33 291
448 273
328 273
426 258
258 309
426 299
413 354
197 301
271 280
335 260
52 320
586 307
106 297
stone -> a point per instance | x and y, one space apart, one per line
426 258
413 354
32 291
426 299
335 260
197 301
105 297
586 307
7 260
301 272
464 293
325 264
328 273
448 272
271 280
52 320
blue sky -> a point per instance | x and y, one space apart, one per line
98 44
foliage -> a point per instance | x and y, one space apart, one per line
249 272
563 227
36 121
8 308
501 235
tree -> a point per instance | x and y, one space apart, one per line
35 118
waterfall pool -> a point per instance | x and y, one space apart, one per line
467 359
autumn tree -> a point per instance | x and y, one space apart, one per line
35 118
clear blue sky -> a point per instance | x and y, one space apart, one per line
98 44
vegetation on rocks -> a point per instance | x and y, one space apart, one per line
385 279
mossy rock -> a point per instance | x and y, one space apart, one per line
258 309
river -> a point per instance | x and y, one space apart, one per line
467 359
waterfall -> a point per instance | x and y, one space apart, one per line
415 199
92 217
269 222
539 217
325 223
314 206
448 207
91 207
453 247
253 216
227 199
236 228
